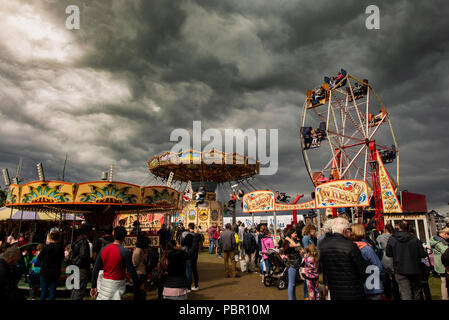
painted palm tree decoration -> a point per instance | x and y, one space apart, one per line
11 197
108 194
163 197
44 193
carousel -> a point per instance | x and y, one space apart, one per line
213 171
99 202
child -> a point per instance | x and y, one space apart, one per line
34 274
310 272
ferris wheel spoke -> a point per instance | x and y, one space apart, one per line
359 114
352 161
319 115
335 120
351 119
378 126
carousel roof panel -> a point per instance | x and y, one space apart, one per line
91 196
214 166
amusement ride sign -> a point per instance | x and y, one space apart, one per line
342 193
334 194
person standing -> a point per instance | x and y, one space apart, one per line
391 287
311 276
190 242
173 266
374 290
115 260
210 233
8 277
292 250
81 257
218 242
266 242
308 234
445 263
407 252
164 237
50 260
342 263
229 247
440 244
201 234
326 230
103 241
139 258
249 247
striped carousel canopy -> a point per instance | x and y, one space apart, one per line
5 214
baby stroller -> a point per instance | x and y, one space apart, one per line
278 273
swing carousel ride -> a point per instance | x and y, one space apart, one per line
211 169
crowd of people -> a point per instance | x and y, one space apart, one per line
345 262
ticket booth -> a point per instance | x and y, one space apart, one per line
422 223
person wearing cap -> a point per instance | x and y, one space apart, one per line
81 257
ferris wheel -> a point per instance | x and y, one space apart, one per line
343 127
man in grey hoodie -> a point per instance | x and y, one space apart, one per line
391 287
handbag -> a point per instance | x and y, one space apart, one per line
243 265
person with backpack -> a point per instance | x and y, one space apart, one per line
407 251
249 247
358 236
115 260
190 242
439 245
80 256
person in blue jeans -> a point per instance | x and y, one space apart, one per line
50 260
211 232
190 242
292 250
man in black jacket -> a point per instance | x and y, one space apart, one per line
8 278
190 242
343 266
249 246
81 258
407 252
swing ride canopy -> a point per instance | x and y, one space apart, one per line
197 166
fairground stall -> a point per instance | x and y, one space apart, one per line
99 202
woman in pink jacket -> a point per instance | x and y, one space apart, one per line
266 242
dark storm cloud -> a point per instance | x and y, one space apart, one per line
136 70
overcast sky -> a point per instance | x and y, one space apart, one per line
113 91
